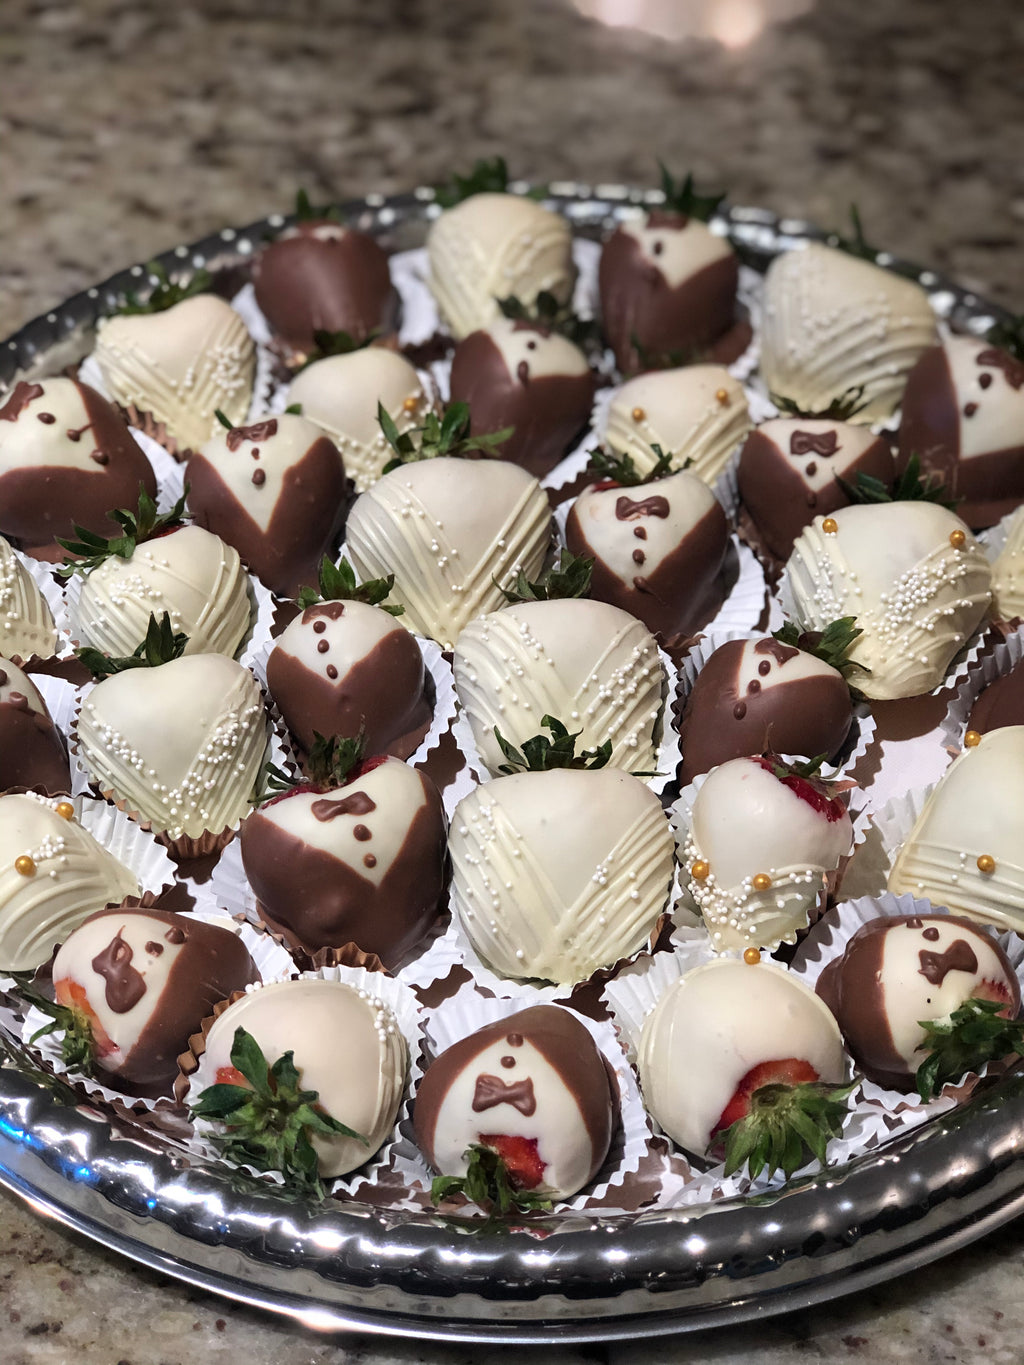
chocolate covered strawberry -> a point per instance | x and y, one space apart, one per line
658 544
931 994
32 750
743 1058
321 276
763 841
346 666
354 855
668 284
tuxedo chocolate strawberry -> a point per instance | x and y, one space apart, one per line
963 414
532 1088
658 550
355 855
66 456
897 974
320 276
276 491
762 842
32 749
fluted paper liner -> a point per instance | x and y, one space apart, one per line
828 940
405 1009
1004 656
857 742
468 1011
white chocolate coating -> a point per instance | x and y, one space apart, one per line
446 528
17 683
350 637
714 1025
997 420
682 413
279 454
74 876
182 744
744 822
683 250
29 444
892 566
555 874
591 665
853 442
908 996
341 393
689 499
1008 572
26 621
348 1047
492 246
833 322
74 963
191 574
548 355
398 794
181 365
976 809
553 1123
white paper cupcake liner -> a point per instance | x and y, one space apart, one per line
410 271
127 841
993 542
408 1016
467 1011
828 940
862 731
1000 660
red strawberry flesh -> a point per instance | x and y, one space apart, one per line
995 990
524 1166
786 1071
809 789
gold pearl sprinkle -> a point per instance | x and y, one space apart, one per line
958 539
65 810
699 870
761 881
410 404
751 956
830 526
986 864
972 739
25 865
638 414
722 395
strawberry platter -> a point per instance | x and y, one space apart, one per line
646 961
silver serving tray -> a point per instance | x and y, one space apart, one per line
576 1277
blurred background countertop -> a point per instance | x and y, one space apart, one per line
129 126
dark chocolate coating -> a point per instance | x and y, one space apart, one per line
850 987
382 693
305 521
808 717
1001 703
546 413
684 591
563 1041
38 504
777 497
305 284
636 300
317 901
32 751
213 963
989 485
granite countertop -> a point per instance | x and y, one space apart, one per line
127 126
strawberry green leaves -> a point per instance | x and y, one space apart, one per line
337 583
90 550
160 646
784 1125
541 754
448 435
487 1183
76 1046
973 1034
569 577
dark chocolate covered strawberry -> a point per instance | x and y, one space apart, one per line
345 666
355 855
534 1091
66 457
785 693
901 976
658 545
276 491
321 276
522 373
789 468
744 1057
668 284
32 749
963 414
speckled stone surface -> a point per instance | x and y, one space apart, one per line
128 127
